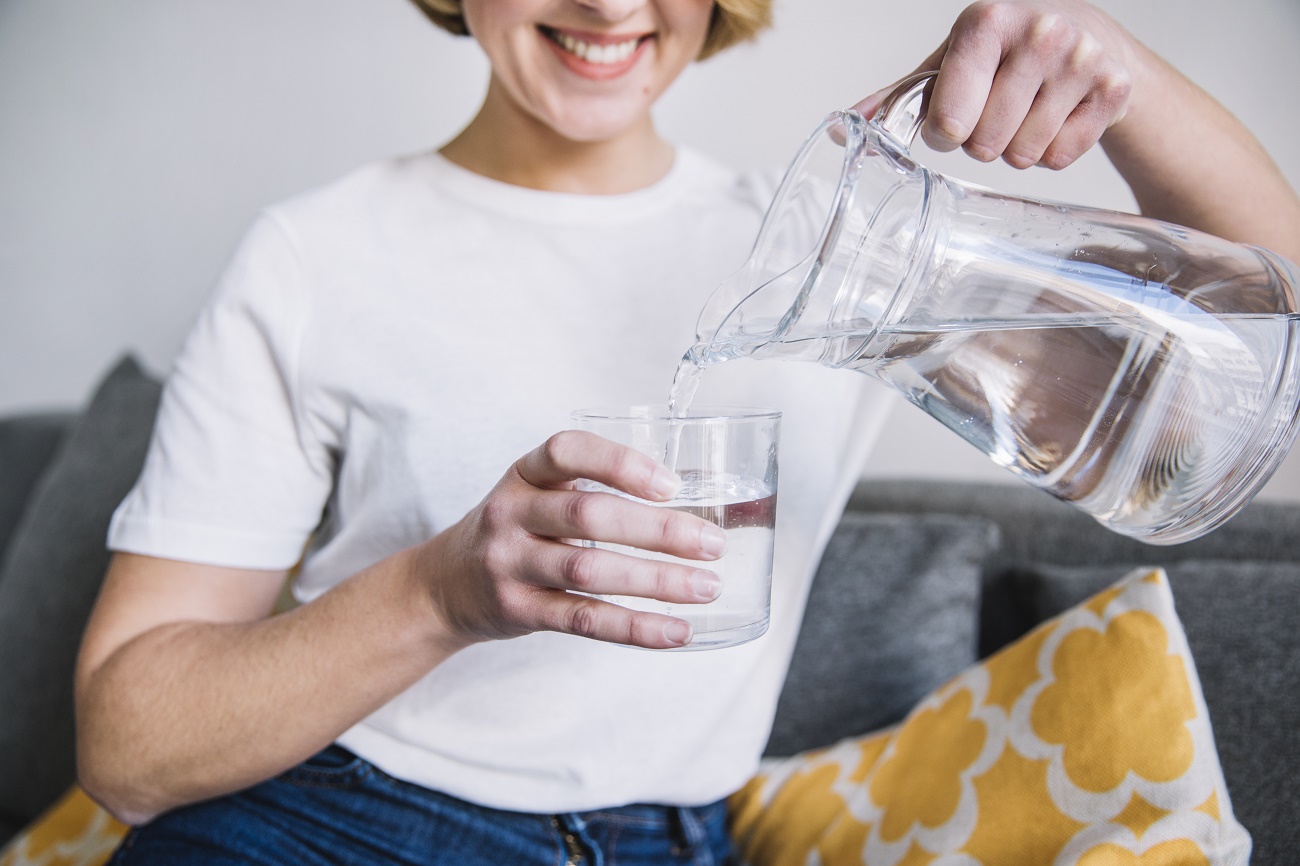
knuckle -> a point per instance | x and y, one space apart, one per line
946 128
1085 53
639 631
509 602
579 509
983 15
670 585
674 532
1049 34
979 151
582 569
497 559
1114 87
583 619
630 466
1020 159
980 27
1057 158
496 514
558 450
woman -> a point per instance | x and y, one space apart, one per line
380 350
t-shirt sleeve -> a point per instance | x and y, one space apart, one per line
235 474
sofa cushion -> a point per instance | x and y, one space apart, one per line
1087 741
48 582
27 442
891 614
1038 528
1241 622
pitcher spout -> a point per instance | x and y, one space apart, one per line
788 295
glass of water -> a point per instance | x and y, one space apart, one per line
726 457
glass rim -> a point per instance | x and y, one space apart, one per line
659 412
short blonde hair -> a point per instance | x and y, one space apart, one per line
733 21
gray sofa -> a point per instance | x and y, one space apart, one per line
920 580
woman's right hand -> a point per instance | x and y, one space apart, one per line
511 566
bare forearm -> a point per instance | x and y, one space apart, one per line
193 710
186 690
1189 161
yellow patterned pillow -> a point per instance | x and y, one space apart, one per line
1085 743
75 831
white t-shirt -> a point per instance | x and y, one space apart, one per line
380 351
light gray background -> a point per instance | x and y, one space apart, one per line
138 137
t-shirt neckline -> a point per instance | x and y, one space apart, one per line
544 205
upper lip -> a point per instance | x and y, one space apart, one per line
598 38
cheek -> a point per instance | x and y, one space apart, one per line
691 18
494 24
687 24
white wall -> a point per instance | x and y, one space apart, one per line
137 138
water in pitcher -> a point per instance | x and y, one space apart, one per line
1133 416
1128 419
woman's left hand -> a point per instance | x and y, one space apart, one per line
1035 82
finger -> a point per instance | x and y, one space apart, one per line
867 107
609 518
600 620
1086 91
1103 107
1016 88
574 454
1081 130
1045 121
960 92
605 572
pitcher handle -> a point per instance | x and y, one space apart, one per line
903 110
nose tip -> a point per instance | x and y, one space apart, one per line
611 10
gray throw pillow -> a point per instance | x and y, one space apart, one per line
892 614
27 443
1242 621
49 578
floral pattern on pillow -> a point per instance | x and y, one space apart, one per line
1086 742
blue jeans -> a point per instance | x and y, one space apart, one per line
336 808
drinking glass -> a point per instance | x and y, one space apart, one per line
726 457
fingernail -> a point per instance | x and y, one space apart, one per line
678 632
665 482
706 585
713 541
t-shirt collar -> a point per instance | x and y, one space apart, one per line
560 207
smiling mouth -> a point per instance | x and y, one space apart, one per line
607 54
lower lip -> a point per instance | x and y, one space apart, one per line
597 71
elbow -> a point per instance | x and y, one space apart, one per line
117 799
120 793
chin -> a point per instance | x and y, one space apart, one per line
591 130
594 120
594 133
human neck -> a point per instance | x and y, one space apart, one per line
509 145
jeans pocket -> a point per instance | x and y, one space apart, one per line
333 767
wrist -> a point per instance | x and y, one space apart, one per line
418 569
1155 88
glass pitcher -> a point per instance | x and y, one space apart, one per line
1144 372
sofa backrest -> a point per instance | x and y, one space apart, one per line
27 443
1037 529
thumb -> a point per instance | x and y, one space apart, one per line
867 107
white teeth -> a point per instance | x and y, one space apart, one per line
599 54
